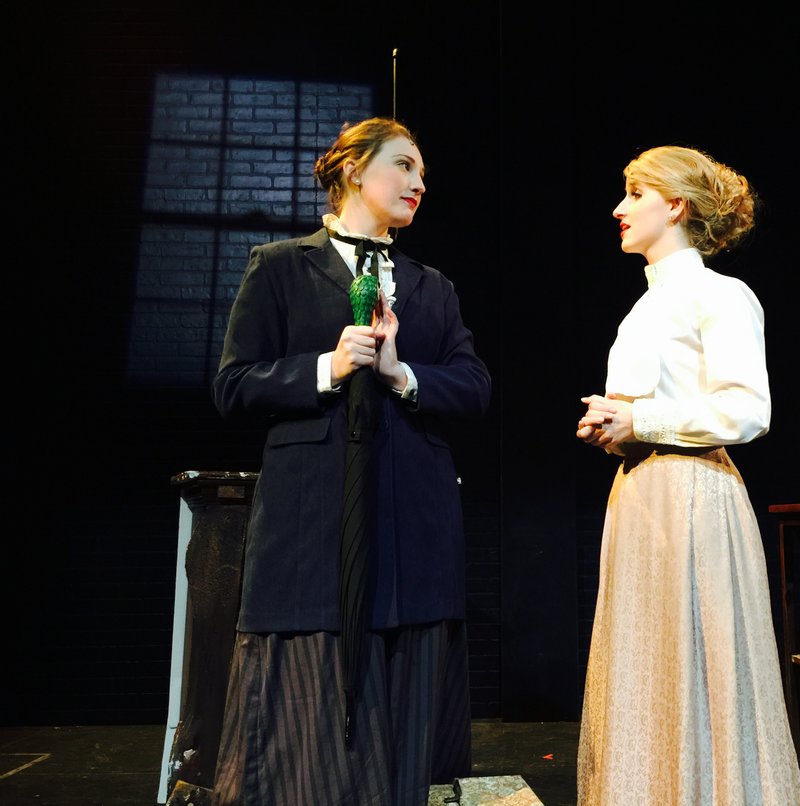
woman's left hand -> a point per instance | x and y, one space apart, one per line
386 365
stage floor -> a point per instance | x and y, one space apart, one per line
120 765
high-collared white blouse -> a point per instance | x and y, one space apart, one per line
690 355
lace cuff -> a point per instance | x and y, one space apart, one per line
653 421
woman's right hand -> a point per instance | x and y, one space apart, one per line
356 348
607 423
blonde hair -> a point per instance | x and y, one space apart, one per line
720 204
359 142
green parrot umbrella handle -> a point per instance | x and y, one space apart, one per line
364 298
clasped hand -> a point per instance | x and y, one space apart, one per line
607 423
370 345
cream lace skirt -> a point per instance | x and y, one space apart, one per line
684 702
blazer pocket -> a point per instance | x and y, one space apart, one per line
431 429
435 439
292 432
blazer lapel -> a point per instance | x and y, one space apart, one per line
407 274
324 257
322 254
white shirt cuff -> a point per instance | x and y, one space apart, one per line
324 374
410 392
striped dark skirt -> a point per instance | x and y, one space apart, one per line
282 740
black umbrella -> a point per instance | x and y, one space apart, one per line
363 404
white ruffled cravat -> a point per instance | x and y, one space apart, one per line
347 249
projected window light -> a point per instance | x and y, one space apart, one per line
229 166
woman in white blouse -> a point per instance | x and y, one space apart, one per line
683 702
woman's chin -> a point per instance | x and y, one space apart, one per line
403 220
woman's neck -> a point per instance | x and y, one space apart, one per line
675 242
355 217
363 228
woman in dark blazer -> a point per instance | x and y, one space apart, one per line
290 351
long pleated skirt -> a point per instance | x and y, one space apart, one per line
684 702
282 740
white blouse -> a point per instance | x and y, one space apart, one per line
690 355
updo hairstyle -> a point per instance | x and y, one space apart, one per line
720 205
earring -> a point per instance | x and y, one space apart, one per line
356 181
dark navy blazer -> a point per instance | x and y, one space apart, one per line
292 305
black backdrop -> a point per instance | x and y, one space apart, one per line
526 122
